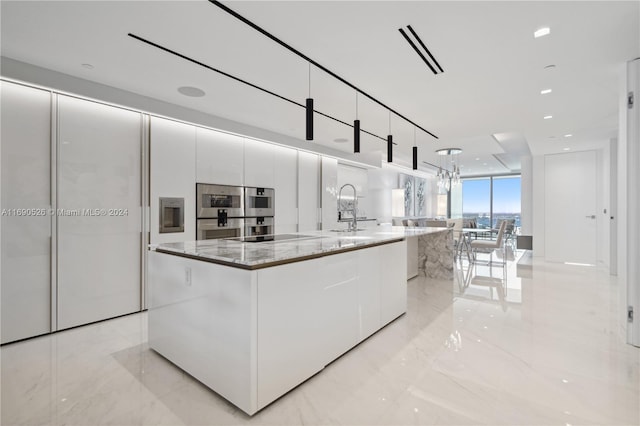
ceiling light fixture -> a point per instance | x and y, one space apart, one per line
389 143
88 66
550 66
192 92
542 32
568 135
309 110
448 170
566 149
547 117
356 130
545 91
308 59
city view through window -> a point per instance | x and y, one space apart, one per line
490 199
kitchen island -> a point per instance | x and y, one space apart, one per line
252 320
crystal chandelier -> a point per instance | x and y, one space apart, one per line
448 168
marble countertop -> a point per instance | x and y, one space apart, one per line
308 245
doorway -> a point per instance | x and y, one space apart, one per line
570 208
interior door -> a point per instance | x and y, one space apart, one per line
99 212
570 207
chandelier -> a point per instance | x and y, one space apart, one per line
448 168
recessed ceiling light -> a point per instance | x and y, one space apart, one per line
477 158
550 66
568 135
566 149
547 117
341 140
545 91
190 91
542 32
87 66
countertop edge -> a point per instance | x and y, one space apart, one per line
279 262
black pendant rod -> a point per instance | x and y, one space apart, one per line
306 58
239 80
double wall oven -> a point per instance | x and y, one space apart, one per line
225 211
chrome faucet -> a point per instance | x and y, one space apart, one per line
353 224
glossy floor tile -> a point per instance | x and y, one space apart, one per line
532 343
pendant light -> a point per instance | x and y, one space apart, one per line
389 143
356 130
309 110
415 151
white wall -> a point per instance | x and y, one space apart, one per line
383 180
538 221
526 195
603 205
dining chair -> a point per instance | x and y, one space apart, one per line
489 245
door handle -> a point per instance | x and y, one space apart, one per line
593 216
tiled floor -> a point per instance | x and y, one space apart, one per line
542 350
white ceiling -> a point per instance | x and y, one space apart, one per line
494 69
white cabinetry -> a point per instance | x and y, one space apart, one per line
308 194
173 174
219 157
329 193
286 187
26 185
258 164
393 291
99 195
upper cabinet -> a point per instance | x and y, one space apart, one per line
173 174
286 188
219 157
258 164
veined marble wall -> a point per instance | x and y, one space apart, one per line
435 254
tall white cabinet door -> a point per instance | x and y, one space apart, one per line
308 196
258 164
329 193
173 175
99 218
26 222
219 157
286 187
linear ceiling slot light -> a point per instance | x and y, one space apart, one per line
311 61
245 82
417 50
545 91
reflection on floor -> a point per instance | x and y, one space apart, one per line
528 344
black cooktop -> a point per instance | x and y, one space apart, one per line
263 238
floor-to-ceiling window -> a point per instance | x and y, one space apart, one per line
491 198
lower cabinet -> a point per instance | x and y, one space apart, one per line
312 312
253 335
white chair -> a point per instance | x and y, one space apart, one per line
489 245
